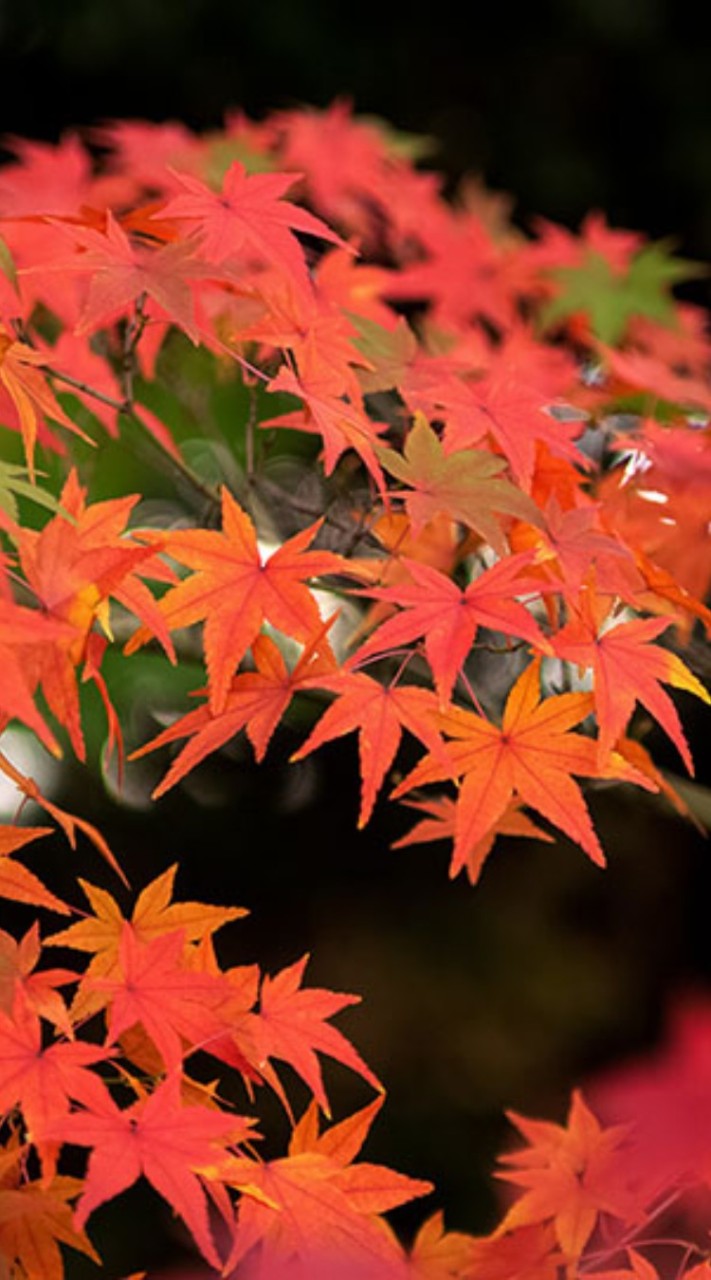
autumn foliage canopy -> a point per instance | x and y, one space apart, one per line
462 512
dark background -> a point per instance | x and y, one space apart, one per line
569 104
474 1000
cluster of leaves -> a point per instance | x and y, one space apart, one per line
503 512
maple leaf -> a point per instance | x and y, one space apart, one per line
154 987
256 701
43 1080
465 484
68 822
500 406
292 1026
314 1211
388 350
379 712
153 916
27 395
340 1142
16 882
449 618
74 565
122 271
340 423
627 669
249 216
526 1253
611 299
571 1175
235 591
437 1254
570 543
533 757
35 1218
160 1139
38 989
440 824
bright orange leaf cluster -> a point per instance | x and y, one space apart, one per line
507 556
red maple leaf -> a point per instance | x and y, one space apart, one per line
379 712
293 1027
435 607
627 668
249 217
158 1137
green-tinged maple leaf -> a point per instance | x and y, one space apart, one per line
533 756
163 1140
234 590
610 298
387 351
464 484
7 264
14 484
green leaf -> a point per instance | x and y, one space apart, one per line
610 299
14 483
389 351
7 264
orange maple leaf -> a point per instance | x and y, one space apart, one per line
314 1212
29 397
571 1175
532 756
234 590
35 1218
256 701
440 824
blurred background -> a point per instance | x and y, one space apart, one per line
474 1000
